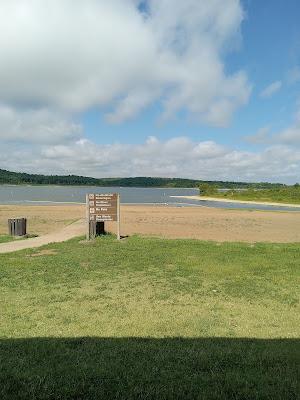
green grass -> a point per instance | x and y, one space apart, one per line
150 319
5 238
289 195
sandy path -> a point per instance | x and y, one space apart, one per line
164 221
70 231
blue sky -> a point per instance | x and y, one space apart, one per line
209 90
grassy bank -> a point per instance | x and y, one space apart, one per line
287 194
150 318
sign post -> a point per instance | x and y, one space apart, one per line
87 217
118 217
101 208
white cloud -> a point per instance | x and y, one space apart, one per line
260 137
177 157
38 126
62 57
271 89
73 55
288 136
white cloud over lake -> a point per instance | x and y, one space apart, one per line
177 157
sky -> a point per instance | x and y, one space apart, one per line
187 88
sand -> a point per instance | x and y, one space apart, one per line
224 200
170 222
41 219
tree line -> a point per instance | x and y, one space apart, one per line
20 178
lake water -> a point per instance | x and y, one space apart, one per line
10 194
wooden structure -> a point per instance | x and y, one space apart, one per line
100 208
17 226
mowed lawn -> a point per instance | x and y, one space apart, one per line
149 318
5 238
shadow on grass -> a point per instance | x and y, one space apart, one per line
137 368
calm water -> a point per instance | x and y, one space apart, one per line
76 194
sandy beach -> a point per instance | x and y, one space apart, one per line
221 200
171 222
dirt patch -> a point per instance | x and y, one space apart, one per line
46 252
85 265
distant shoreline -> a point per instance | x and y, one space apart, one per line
99 186
217 199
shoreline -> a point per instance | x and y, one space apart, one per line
68 203
95 186
219 200
280 206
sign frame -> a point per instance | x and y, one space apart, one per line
109 202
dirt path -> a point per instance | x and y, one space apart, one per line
70 231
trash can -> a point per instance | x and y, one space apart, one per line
17 226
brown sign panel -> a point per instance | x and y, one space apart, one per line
103 217
103 207
104 197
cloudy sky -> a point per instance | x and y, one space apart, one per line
187 88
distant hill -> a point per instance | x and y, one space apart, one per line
20 178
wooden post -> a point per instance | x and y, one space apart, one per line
92 228
118 217
96 228
87 215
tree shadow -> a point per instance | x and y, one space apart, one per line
140 368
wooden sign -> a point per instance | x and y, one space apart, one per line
103 207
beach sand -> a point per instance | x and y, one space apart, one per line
225 200
171 222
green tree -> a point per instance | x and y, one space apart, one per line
207 189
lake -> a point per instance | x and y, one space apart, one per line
10 194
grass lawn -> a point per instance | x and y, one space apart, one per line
150 319
5 238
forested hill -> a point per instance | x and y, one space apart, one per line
19 178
